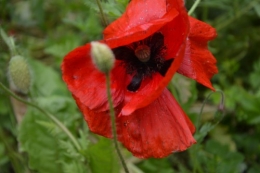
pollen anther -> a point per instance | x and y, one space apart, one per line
143 52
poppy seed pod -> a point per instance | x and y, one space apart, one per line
102 56
19 74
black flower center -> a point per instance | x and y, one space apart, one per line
143 58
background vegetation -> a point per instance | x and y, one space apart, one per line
46 30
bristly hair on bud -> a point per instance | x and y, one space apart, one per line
102 56
19 74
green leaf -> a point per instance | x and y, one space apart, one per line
46 81
204 130
49 126
83 141
48 151
103 157
156 165
70 150
64 44
73 161
89 25
40 145
221 159
74 167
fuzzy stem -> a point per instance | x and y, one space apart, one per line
194 6
52 117
113 123
102 12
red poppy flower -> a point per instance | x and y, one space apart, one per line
151 41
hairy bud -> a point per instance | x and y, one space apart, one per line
19 74
102 56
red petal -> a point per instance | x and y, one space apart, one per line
140 20
176 31
98 122
201 31
154 131
199 63
157 130
175 35
87 83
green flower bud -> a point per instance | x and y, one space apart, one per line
19 74
102 56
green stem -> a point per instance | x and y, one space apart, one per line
102 12
194 6
204 103
113 122
52 117
194 152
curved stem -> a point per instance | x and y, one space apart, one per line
52 117
197 167
221 105
113 121
102 12
194 6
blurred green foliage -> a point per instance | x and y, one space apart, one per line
46 30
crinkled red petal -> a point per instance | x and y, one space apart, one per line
175 35
137 13
87 83
98 122
198 63
140 20
157 130
154 131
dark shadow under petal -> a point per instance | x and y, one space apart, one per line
166 66
135 83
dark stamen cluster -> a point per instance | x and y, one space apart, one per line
139 68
